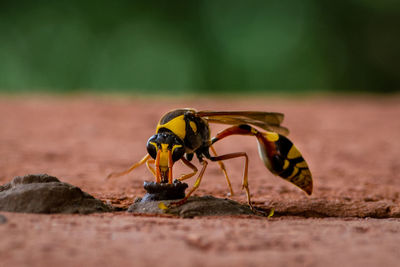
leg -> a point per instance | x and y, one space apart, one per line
137 164
149 167
190 165
245 183
170 164
195 186
158 174
222 166
237 130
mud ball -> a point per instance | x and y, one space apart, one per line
164 191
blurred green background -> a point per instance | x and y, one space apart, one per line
200 46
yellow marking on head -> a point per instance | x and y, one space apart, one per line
193 126
293 153
272 137
302 164
286 164
154 144
254 131
176 125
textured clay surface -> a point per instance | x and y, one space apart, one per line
352 218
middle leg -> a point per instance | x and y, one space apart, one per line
222 166
190 165
195 186
245 183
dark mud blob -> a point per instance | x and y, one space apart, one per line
42 193
164 191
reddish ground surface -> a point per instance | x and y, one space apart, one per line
351 144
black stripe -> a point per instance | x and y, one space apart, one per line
296 180
283 145
287 172
295 174
296 160
172 115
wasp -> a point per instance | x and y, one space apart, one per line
183 133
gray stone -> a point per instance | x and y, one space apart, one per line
3 219
194 207
46 194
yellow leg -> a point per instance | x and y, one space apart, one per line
170 164
222 166
137 164
195 186
245 183
149 167
190 165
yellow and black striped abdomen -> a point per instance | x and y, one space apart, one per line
282 158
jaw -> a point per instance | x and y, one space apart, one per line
164 175
164 166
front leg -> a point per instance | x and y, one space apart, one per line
190 165
134 166
195 186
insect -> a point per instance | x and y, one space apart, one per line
182 133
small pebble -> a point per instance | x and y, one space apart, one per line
3 219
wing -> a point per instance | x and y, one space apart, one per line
269 121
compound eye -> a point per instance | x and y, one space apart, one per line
177 152
152 148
